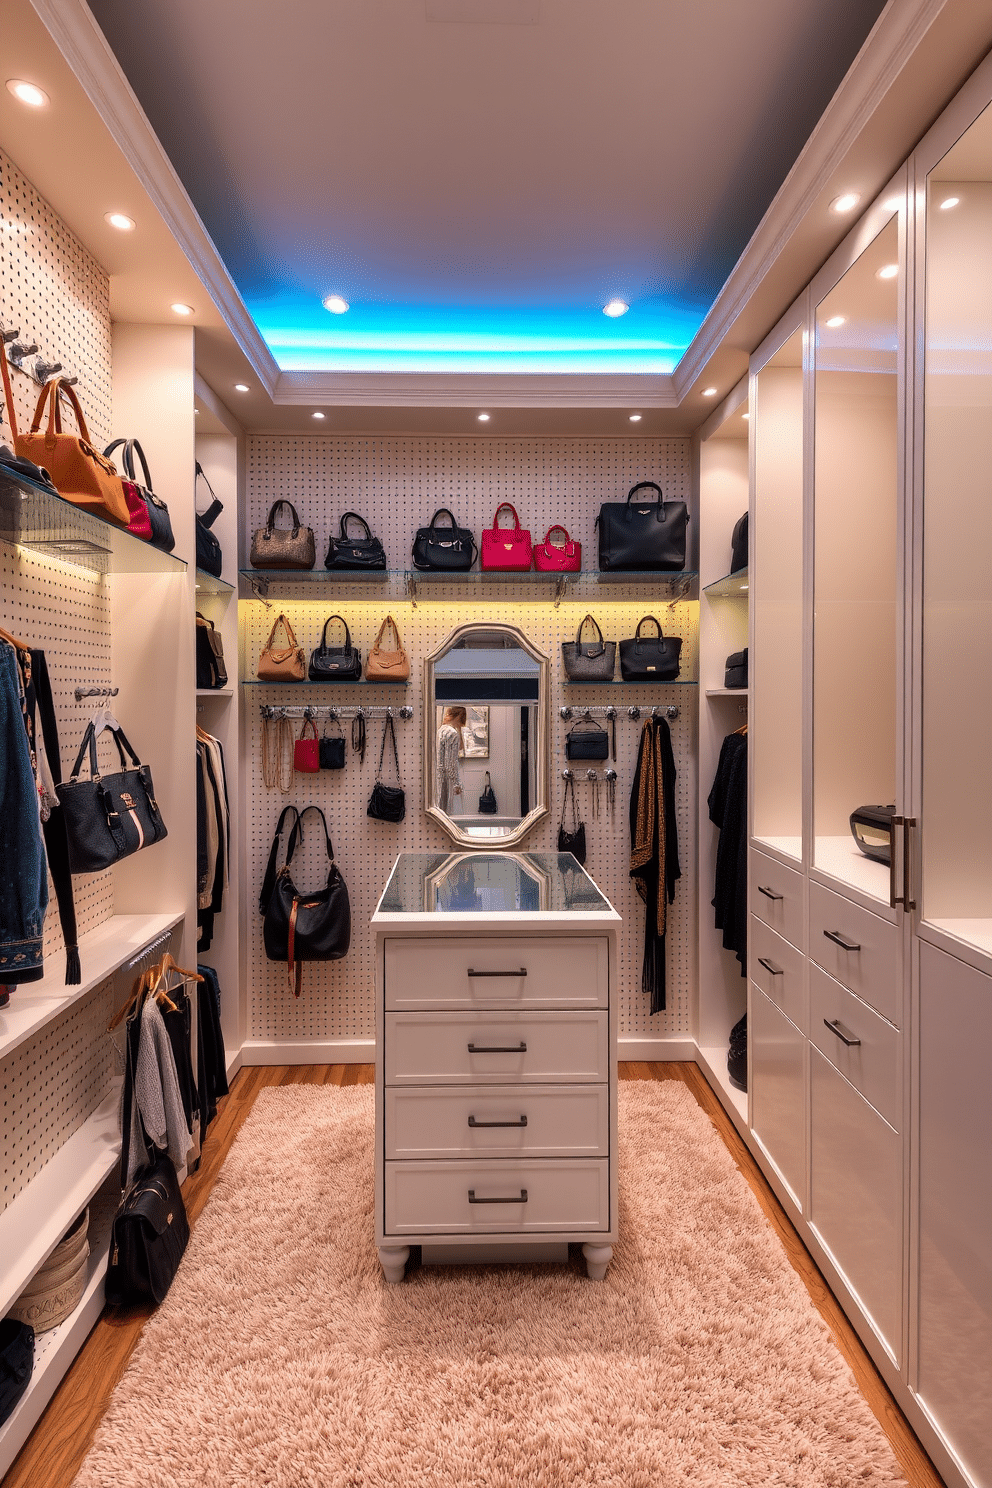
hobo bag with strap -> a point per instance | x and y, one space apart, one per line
303 927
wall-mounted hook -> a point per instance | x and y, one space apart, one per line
44 370
406 711
592 774
634 712
88 692
18 352
9 336
566 774
565 713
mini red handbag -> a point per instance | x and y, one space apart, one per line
506 547
140 524
552 557
306 750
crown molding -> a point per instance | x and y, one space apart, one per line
468 390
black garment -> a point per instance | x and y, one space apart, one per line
56 840
179 1026
727 803
655 879
212 1061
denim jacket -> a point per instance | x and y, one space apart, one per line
23 867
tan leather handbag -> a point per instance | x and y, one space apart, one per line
81 474
387 666
282 663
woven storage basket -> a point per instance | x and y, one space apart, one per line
56 1289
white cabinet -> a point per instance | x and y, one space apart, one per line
777 1054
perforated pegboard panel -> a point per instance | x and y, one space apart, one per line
385 480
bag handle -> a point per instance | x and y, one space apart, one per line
569 792
131 446
648 486
637 633
586 723
556 527
388 731
8 396
443 511
296 835
347 632
270 520
396 632
290 636
204 620
213 511
269 881
308 723
353 517
578 635
506 506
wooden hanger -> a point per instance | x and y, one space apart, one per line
12 640
150 982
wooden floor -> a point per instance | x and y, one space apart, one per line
52 1455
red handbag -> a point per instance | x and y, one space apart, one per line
306 750
506 547
552 557
140 524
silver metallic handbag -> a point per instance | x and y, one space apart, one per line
283 547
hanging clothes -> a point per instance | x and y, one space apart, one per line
654 848
727 802
211 1073
160 1105
23 861
213 834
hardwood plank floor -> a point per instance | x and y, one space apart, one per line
54 1452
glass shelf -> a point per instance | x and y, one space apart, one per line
680 585
207 584
306 682
36 518
731 586
619 682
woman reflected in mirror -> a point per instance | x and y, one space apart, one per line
447 775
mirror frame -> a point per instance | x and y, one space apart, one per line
541 774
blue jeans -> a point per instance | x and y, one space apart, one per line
23 867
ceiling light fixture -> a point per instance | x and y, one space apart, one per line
845 203
120 221
28 93
241 387
615 308
949 202
179 309
835 321
887 271
336 304
893 204
635 418
483 418
745 415
709 392
318 415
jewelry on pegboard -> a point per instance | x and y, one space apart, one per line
277 751
611 777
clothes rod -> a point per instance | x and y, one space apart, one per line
609 711
331 710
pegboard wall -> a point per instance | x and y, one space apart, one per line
396 484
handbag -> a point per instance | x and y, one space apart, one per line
211 671
16 1357
448 548
589 661
506 548
585 740
387 802
332 750
387 666
159 520
335 663
738 545
306 750
81 474
573 842
208 553
487 801
552 557
283 547
642 535
149 1236
736 669
650 658
354 552
282 663
139 523
108 817
303 927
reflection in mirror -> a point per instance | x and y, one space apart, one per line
485 746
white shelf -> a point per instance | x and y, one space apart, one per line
101 952
843 860
716 1066
790 847
224 692
737 692
977 933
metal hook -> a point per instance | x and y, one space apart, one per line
566 774
44 370
9 336
634 712
18 352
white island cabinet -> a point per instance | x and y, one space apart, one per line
496 1124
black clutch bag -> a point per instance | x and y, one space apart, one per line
444 548
335 663
871 827
585 740
354 552
642 534
149 1236
108 817
650 658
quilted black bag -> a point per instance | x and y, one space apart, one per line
158 513
150 1234
585 740
108 817
208 553
488 804
573 841
449 548
303 927
643 534
335 663
355 552
387 802
650 658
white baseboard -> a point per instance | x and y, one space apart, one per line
308 1051
234 1061
659 1050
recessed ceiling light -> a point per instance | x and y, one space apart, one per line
635 418
835 321
180 309
745 415
196 410
120 221
483 418
949 202
241 387
888 271
615 308
845 203
28 93
893 204
336 304
709 392
318 414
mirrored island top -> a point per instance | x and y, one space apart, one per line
502 883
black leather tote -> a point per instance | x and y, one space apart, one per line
738 545
211 670
355 552
331 751
650 658
108 817
449 548
303 927
585 740
16 1363
335 663
589 661
387 802
488 804
642 534
208 553
150 1234
158 513
572 841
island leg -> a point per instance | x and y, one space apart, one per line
393 1259
598 1257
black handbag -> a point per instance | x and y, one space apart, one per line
108 817
210 668
158 513
589 661
387 802
335 663
650 658
487 801
303 927
585 740
735 674
573 842
331 750
738 545
149 1236
452 548
16 1363
354 552
642 534
208 553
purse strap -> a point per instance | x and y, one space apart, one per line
388 732
8 395
353 517
131 447
270 520
637 633
506 506
347 632
584 724
296 835
124 749
308 723
569 792
557 527
595 626
293 644
443 511
382 628
213 511
269 881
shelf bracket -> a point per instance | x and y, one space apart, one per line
260 589
411 589
561 585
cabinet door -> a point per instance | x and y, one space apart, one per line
776 1090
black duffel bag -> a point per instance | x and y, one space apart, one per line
646 535
303 927
449 549
650 658
150 1234
335 663
108 817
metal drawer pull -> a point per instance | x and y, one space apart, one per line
769 893
770 966
835 1027
497 1048
473 1123
521 1200
521 972
838 939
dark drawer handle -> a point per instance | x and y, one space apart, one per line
770 966
473 1123
838 939
835 1027
521 1200
769 893
521 972
497 1048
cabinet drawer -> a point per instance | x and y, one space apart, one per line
857 947
871 1064
542 1195
776 1090
777 968
856 1194
777 897
494 1048
518 971
494 1121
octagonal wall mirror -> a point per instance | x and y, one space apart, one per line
486 735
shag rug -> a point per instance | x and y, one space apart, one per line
281 1359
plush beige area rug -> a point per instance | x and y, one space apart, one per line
280 1358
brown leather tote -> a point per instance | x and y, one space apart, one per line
282 663
387 666
81 474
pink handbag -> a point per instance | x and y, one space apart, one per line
140 524
552 557
306 750
506 547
